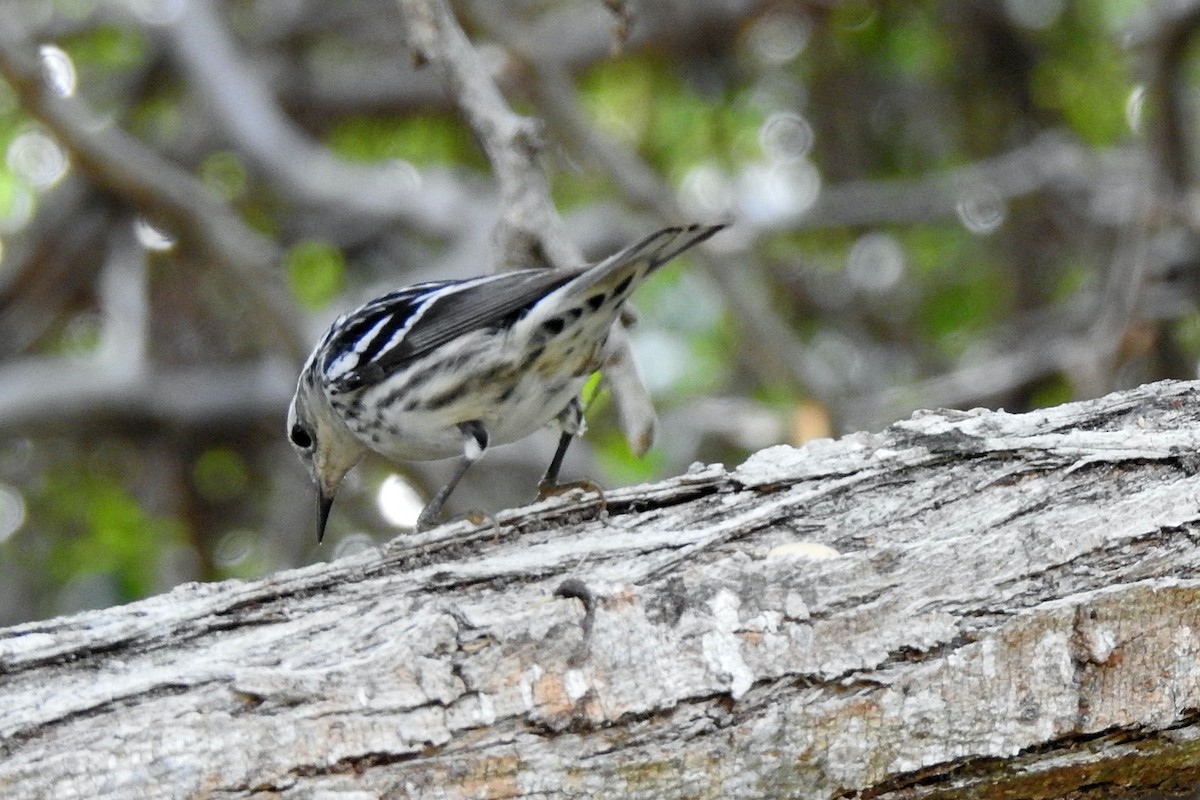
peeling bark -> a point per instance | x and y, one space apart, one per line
968 604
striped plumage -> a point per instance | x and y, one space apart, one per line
448 368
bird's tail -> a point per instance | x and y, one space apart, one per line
610 282
644 257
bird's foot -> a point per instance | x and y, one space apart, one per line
547 489
474 516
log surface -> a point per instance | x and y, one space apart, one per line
968 604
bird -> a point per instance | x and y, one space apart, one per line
447 369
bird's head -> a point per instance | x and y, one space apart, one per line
325 445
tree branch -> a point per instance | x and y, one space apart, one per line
967 604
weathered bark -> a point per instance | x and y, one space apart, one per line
965 605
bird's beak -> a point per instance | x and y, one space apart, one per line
328 468
324 503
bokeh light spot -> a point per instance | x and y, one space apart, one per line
668 353
12 511
58 70
706 192
981 209
37 158
775 39
150 237
770 192
399 504
1135 108
234 548
875 262
786 137
403 173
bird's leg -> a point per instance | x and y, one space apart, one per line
549 481
475 442
571 420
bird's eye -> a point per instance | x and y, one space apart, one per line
300 437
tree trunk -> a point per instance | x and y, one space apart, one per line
965 605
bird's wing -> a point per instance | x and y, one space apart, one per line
383 335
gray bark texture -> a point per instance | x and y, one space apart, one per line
968 604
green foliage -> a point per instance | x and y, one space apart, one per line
642 102
917 46
421 139
220 474
107 47
105 530
10 193
959 307
224 175
79 337
1187 332
159 116
618 464
315 272
1052 392
1089 83
897 37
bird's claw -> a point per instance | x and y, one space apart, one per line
548 489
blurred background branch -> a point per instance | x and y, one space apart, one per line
941 204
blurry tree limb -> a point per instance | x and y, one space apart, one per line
1165 37
964 605
1080 338
979 381
59 396
308 173
118 387
374 79
1049 162
166 194
52 263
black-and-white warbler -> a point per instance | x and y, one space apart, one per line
448 368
